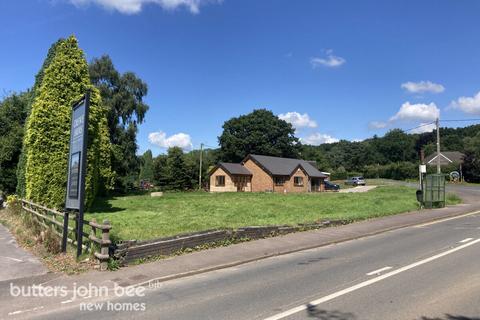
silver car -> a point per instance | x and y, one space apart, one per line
356 181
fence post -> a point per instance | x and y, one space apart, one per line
93 233
104 256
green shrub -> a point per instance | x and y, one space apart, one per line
396 171
14 204
52 242
64 81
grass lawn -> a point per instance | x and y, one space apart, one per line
142 217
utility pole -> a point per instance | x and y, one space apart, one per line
437 123
200 169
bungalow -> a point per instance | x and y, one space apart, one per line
446 158
258 173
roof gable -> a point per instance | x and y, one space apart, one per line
446 157
284 166
232 169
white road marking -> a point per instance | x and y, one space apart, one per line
446 219
378 271
466 240
369 282
14 259
23 311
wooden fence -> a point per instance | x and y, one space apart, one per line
128 251
54 220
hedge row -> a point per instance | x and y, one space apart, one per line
64 81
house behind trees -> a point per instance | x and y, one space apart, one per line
257 173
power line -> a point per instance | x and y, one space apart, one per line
459 120
212 147
446 120
420 126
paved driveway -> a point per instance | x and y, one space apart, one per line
358 189
15 262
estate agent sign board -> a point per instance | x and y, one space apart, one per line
77 166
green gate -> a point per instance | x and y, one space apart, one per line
434 191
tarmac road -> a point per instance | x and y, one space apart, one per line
16 262
430 271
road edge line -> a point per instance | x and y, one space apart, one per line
237 263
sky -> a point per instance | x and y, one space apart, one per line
334 69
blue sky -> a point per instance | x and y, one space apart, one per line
335 69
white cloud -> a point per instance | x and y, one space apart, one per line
330 60
377 125
161 140
135 6
424 127
469 105
413 112
423 86
298 120
318 139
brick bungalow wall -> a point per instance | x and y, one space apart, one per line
289 185
261 181
230 185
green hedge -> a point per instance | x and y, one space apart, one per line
64 81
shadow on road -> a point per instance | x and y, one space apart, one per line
313 312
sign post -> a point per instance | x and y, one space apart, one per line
77 161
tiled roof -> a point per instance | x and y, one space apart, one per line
446 157
235 168
285 166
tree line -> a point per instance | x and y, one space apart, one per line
34 133
35 125
396 155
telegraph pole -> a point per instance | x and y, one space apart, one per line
437 123
200 169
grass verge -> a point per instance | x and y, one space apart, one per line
142 217
42 244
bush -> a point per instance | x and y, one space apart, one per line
395 171
52 242
47 135
14 204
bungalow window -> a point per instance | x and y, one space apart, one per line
279 181
298 181
220 181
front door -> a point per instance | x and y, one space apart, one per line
316 185
240 183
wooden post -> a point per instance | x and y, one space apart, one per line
94 234
105 245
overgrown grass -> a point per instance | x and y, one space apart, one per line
143 217
452 199
44 245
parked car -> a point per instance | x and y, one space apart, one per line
331 186
356 181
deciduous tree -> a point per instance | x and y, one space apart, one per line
13 112
122 95
259 132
